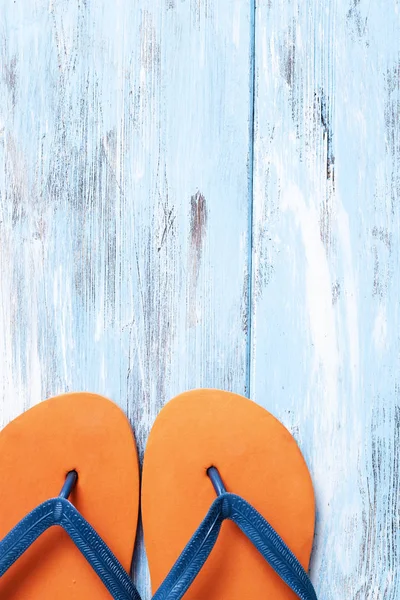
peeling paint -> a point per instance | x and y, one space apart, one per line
198 227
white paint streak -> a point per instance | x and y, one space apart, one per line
351 293
380 329
318 290
236 23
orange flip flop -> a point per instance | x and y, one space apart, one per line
206 442
81 444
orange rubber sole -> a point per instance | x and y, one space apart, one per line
257 459
82 432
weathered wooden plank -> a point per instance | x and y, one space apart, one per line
124 143
325 343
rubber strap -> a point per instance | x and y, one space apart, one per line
59 511
258 531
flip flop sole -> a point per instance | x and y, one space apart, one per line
82 432
257 458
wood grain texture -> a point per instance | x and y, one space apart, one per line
139 223
124 208
326 250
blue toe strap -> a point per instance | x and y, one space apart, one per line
59 511
259 532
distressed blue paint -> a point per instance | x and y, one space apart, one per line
131 196
252 94
124 141
326 263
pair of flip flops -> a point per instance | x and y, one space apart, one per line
213 458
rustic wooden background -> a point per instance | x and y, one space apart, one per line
206 193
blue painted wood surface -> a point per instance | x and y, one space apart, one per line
325 318
205 193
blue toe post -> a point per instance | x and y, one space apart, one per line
59 511
254 526
69 484
216 480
